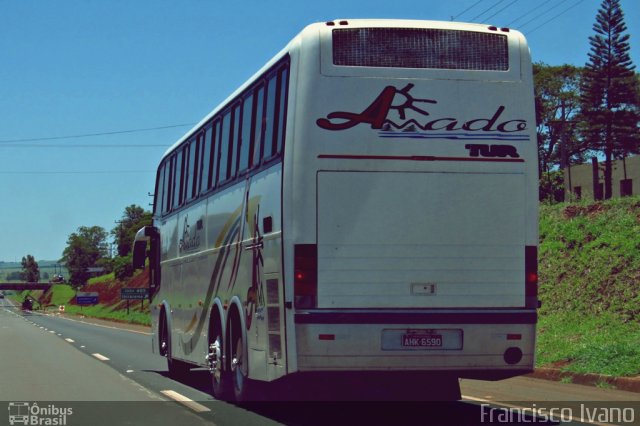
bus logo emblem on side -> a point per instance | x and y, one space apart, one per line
401 101
190 240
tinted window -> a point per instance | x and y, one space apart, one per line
245 135
223 167
282 107
250 130
213 170
158 199
168 184
178 181
235 141
197 166
192 170
259 126
270 115
205 149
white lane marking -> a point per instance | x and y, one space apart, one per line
129 371
56 315
101 357
69 340
100 325
519 407
198 408
82 346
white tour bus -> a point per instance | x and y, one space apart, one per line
365 204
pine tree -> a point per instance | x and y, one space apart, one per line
609 90
30 270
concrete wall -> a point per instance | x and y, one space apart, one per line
582 178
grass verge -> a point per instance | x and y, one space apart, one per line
601 344
108 312
589 267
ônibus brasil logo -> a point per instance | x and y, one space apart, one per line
377 115
26 413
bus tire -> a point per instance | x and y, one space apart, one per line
163 335
243 387
176 368
220 378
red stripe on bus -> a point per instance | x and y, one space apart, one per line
418 158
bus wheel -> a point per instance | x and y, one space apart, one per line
242 385
176 368
219 377
163 336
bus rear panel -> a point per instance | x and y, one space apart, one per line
409 200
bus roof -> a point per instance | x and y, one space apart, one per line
343 23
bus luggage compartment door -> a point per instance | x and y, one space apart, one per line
420 240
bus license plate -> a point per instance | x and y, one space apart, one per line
422 340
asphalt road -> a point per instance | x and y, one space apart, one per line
109 375
41 369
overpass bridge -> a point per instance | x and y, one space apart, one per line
25 286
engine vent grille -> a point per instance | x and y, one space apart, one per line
420 48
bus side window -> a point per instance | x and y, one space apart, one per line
282 109
235 141
185 174
192 169
223 156
169 178
159 193
246 141
198 165
270 115
205 153
259 127
178 180
215 143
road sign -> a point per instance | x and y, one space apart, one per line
134 293
87 298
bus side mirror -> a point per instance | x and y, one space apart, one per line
148 234
144 234
139 254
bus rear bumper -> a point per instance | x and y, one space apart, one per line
496 345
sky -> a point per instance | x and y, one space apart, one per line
127 78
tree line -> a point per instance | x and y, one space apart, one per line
582 112
89 247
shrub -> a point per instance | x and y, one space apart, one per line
123 267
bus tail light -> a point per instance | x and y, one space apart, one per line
305 276
531 276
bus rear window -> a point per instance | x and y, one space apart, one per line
420 48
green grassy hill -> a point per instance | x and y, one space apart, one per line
109 307
589 267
